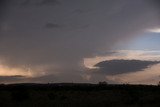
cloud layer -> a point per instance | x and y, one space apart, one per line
40 2
87 27
113 67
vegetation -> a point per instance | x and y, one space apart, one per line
79 95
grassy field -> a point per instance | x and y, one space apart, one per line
79 95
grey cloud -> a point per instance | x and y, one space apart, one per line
23 79
63 50
63 77
2 5
52 25
40 2
156 3
50 2
11 79
3 10
113 67
78 11
26 2
50 78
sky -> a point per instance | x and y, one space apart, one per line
45 41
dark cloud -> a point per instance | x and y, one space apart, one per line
50 2
2 5
41 2
78 11
26 2
11 79
23 79
112 67
97 28
62 77
52 25
156 3
3 10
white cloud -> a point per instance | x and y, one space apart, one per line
7 71
156 30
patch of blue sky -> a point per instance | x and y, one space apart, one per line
148 41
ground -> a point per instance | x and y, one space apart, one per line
79 95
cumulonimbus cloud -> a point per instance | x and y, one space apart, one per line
26 42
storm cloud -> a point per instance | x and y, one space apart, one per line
40 2
24 41
52 25
113 67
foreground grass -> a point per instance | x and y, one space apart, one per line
79 95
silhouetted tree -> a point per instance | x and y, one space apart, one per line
102 83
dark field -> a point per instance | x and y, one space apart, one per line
79 95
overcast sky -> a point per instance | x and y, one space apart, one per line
63 40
